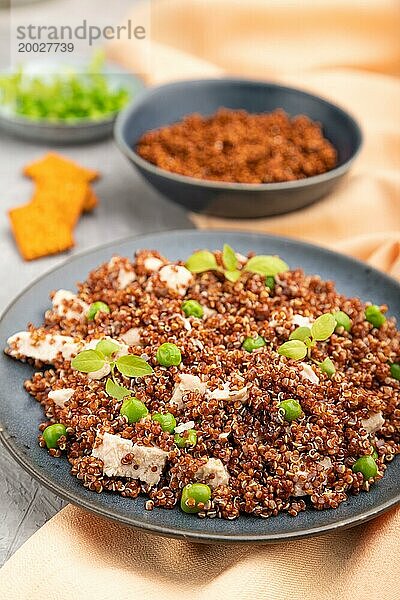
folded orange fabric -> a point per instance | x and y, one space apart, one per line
345 51
77 556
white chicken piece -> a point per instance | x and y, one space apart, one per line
126 273
61 396
213 473
176 278
184 427
24 344
301 321
208 312
187 383
227 393
147 464
152 263
100 373
374 422
131 337
307 372
77 308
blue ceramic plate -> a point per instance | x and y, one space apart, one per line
20 415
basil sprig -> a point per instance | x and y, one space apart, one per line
129 365
263 264
303 339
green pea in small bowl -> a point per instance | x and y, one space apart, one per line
24 116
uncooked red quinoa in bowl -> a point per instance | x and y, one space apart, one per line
225 384
240 147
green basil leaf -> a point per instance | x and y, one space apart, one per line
301 333
327 367
342 320
266 265
133 366
232 275
115 390
201 261
293 349
229 258
107 347
323 327
88 361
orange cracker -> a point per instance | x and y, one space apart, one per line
39 231
67 198
91 200
55 165
62 193
55 183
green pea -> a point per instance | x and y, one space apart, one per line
270 282
375 454
194 496
251 343
291 408
395 371
192 308
183 441
95 308
52 434
374 315
133 409
168 355
342 320
167 421
367 466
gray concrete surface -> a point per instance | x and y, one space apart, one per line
127 207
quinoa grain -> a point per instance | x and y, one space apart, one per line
237 146
273 465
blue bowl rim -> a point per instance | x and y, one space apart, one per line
146 94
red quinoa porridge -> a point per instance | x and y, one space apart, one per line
222 404
240 147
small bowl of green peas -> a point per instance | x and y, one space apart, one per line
65 102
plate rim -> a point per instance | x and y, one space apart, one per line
166 531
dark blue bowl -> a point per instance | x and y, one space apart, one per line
169 103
